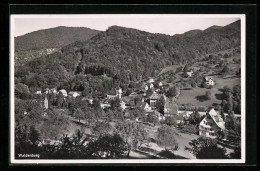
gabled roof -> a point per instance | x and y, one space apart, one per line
217 118
64 92
155 96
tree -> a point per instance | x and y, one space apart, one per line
85 92
206 148
236 154
205 85
238 73
193 83
225 55
132 133
79 114
173 92
186 68
96 104
60 99
208 95
128 92
21 90
169 120
160 104
54 125
179 69
101 128
233 128
166 137
34 136
115 104
225 70
194 118
107 146
149 92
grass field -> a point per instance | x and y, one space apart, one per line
195 96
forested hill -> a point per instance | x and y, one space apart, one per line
126 55
53 38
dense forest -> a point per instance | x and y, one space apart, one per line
121 56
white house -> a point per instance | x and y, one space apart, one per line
75 94
160 84
211 124
38 92
209 81
147 107
146 88
151 86
189 73
64 92
54 91
119 92
90 101
123 105
104 105
111 96
151 80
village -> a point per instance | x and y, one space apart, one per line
159 107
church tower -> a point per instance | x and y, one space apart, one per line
45 102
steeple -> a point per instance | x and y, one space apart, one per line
45 102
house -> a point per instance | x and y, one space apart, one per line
119 92
38 92
160 84
74 94
111 96
64 92
211 124
104 105
154 98
151 86
151 80
209 80
133 94
90 101
146 87
123 104
189 73
53 90
47 90
147 107
115 93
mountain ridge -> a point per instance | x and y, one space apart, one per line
126 55
53 38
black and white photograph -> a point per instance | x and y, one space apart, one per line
127 88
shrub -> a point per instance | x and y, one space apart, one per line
208 95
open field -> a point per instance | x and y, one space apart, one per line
195 96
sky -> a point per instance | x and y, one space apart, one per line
153 23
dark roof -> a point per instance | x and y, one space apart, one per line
155 96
